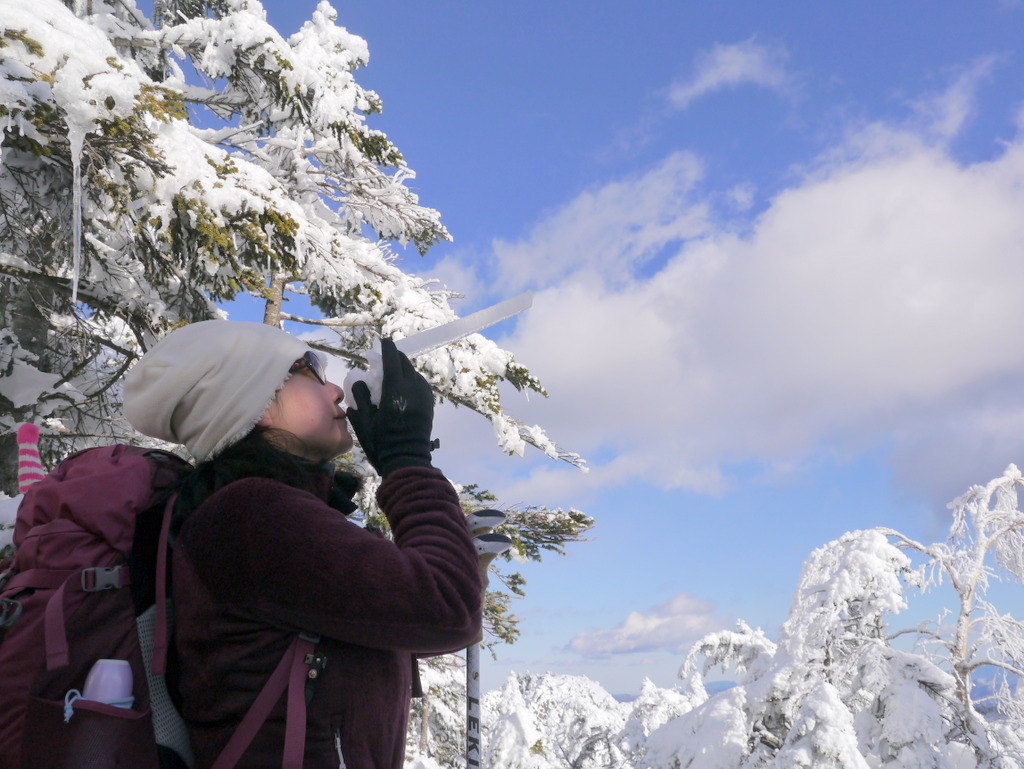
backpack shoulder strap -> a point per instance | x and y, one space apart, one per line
161 638
290 674
167 469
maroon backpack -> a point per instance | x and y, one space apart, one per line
66 601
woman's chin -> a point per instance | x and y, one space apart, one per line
346 442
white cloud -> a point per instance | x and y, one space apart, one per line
731 65
965 445
741 196
456 273
874 302
671 625
610 231
946 113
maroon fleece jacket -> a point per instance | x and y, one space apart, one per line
259 561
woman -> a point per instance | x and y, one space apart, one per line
263 550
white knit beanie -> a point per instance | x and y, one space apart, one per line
207 384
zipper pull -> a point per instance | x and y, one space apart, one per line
337 747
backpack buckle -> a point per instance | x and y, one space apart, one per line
101 578
10 610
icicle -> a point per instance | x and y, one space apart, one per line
431 339
76 138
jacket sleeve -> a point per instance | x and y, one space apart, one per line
282 556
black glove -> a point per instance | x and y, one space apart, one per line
396 433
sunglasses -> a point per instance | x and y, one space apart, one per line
313 362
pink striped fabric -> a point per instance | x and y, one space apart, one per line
30 468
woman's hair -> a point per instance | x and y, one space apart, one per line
260 454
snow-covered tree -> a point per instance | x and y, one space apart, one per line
570 722
652 708
986 542
839 690
832 692
152 168
437 724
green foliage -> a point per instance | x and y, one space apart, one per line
499 621
373 144
162 103
534 530
520 377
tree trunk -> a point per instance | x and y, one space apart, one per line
274 294
8 464
425 724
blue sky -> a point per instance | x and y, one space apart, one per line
776 250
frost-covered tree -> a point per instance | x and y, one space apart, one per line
986 542
545 721
437 724
152 168
843 688
570 722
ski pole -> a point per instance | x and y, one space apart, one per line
488 547
474 753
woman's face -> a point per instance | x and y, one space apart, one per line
313 413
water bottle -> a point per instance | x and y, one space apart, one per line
110 682
95 740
